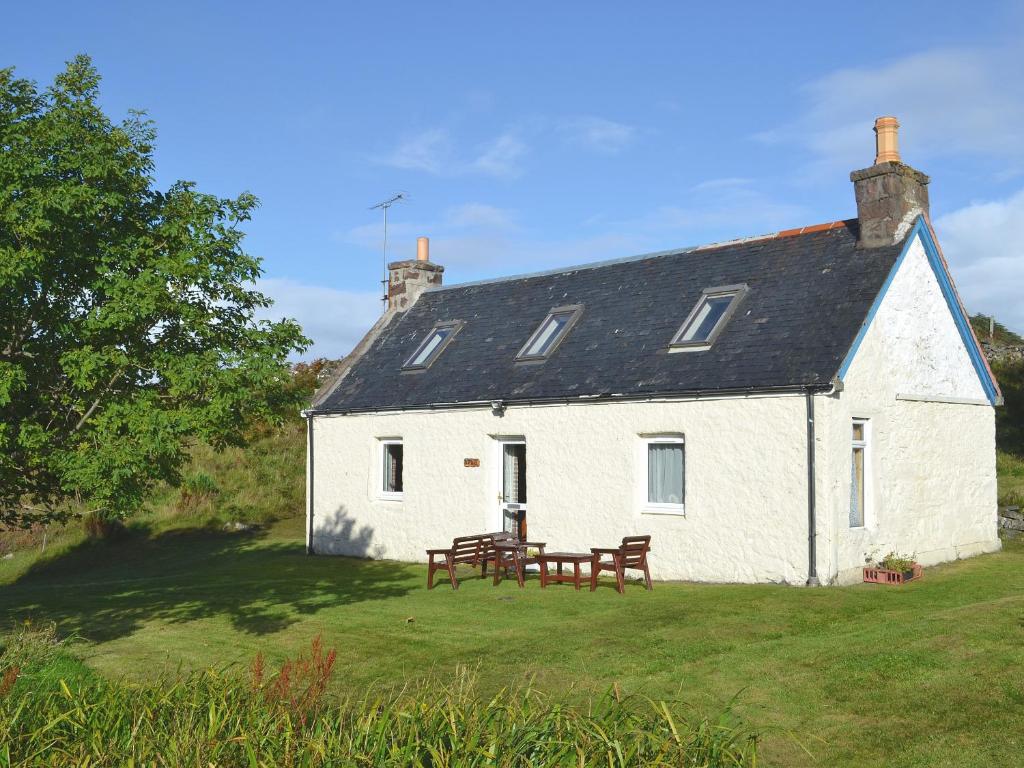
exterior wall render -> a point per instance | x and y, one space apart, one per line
931 488
746 482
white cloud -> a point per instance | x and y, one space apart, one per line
434 151
948 101
982 243
501 157
717 209
335 320
597 133
478 215
429 151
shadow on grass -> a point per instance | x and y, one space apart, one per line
106 590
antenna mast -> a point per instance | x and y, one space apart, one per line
399 197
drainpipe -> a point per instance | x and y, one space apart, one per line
812 560
309 481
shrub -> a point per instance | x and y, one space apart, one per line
100 526
197 490
288 719
897 562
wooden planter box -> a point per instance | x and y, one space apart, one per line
885 576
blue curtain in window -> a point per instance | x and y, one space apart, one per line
665 473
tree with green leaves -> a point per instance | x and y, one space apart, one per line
128 315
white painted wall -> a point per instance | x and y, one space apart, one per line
745 518
932 475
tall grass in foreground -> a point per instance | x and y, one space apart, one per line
287 719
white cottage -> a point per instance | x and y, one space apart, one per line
771 409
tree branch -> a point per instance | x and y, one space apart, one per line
96 402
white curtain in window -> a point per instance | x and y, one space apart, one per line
665 473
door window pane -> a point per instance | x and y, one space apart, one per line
665 473
514 474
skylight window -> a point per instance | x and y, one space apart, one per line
432 346
709 317
549 334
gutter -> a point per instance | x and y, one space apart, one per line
812 533
308 416
694 394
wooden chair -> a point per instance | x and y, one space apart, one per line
632 553
472 550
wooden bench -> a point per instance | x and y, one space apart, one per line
632 553
475 550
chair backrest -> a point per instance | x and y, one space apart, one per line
472 549
634 551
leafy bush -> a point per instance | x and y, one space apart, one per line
288 719
897 562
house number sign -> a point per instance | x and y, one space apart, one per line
471 462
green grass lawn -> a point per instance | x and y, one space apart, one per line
924 675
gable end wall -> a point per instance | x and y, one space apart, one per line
932 481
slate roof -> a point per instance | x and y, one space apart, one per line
810 292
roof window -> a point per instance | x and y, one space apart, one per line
549 334
433 345
708 318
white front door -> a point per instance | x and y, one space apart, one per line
511 509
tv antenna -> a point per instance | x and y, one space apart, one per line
384 206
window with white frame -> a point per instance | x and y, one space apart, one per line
858 472
392 460
709 317
666 474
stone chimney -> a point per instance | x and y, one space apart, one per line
408 279
890 194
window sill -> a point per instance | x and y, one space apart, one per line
390 497
699 347
666 509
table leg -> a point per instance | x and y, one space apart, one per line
576 574
543 574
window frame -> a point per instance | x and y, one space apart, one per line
573 310
738 292
454 325
382 454
648 507
865 445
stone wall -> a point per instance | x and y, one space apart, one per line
1011 522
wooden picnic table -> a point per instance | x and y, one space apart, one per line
560 559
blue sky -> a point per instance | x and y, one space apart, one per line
535 135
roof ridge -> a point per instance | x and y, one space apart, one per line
652 255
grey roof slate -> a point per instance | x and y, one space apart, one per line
809 295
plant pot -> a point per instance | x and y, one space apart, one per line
885 576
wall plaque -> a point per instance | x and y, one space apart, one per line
471 462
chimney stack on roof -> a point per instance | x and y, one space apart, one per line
409 278
890 194
887 147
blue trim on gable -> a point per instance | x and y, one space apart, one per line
962 323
